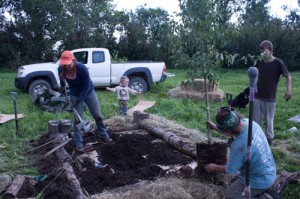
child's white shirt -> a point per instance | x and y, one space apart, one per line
123 92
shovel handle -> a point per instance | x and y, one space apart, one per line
77 115
229 99
14 95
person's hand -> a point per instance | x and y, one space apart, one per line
75 104
211 125
210 167
288 95
62 90
107 88
229 141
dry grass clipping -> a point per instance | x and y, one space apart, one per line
215 96
190 135
120 123
166 188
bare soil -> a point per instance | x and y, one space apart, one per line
133 157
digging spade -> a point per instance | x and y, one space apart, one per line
82 126
14 96
252 73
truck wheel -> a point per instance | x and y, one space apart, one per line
38 84
138 83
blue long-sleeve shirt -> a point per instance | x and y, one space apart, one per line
262 165
82 84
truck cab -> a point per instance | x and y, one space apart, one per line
102 72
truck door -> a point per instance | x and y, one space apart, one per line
98 65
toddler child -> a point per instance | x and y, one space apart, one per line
123 94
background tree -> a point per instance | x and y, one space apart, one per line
37 30
86 24
146 35
200 31
289 45
254 25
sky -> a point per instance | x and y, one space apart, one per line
172 5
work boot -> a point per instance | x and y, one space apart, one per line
106 139
79 149
270 194
270 142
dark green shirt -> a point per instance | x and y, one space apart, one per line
268 78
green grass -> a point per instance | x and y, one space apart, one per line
190 113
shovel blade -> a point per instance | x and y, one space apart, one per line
84 127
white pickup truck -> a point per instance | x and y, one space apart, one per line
102 72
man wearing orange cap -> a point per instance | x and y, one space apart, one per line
82 91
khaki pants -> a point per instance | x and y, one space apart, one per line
267 110
236 190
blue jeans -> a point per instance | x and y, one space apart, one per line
123 107
92 103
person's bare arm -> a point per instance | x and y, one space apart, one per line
213 126
110 89
288 92
215 168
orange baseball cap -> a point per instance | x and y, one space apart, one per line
66 58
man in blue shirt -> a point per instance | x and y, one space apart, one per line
262 165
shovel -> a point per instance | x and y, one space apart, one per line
253 74
37 178
14 96
82 126
229 100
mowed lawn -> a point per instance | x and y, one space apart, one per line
187 112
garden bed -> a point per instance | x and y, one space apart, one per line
134 159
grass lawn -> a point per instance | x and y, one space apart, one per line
190 113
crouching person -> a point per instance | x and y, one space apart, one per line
82 91
262 165
123 94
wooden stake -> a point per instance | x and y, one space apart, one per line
58 147
44 144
